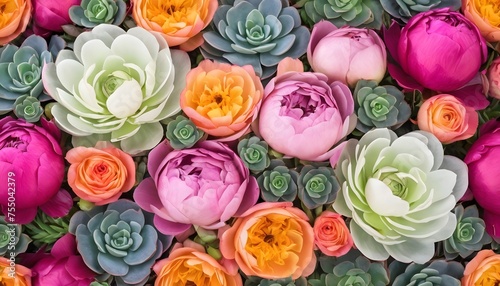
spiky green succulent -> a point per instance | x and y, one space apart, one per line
46 230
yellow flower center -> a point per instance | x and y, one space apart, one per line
7 9
490 277
6 280
489 10
192 272
272 240
173 15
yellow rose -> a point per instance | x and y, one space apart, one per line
485 14
14 17
179 21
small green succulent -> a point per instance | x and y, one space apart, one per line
91 13
438 272
278 183
253 152
28 108
183 133
46 230
317 186
12 238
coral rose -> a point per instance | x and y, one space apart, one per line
494 78
485 14
12 274
483 269
178 21
222 99
14 17
331 234
448 118
190 265
272 241
101 174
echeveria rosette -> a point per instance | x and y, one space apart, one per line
317 186
20 239
253 152
21 69
399 193
278 183
91 13
203 186
255 32
28 107
297 109
404 10
435 273
379 106
469 236
353 13
118 85
119 240
183 133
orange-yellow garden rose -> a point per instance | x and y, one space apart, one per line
483 269
331 234
447 118
222 99
101 174
190 265
272 241
14 17
12 274
485 14
179 21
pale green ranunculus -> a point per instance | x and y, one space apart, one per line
118 85
399 193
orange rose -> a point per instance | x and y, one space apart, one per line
101 174
178 21
331 234
14 17
485 14
483 270
12 274
447 118
272 241
222 99
190 265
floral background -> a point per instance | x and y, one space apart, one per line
249 142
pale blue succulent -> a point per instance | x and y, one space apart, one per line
119 241
21 69
259 33
405 9
91 13
438 272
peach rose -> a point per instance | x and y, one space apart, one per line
494 78
188 264
447 118
222 99
272 241
101 174
331 234
485 14
14 17
482 270
178 21
12 274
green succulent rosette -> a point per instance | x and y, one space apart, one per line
12 238
399 193
469 236
91 13
278 183
404 10
28 108
119 241
317 186
254 154
353 13
21 69
257 281
379 106
259 33
435 273
183 133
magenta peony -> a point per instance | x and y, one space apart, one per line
51 15
303 116
346 54
484 171
204 186
63 266
32 167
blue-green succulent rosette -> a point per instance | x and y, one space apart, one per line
91 13
435 273
259 33
404 10
119 241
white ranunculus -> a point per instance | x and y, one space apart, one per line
117 83
399 193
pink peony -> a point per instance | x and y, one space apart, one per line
51 15
303 116
204 186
